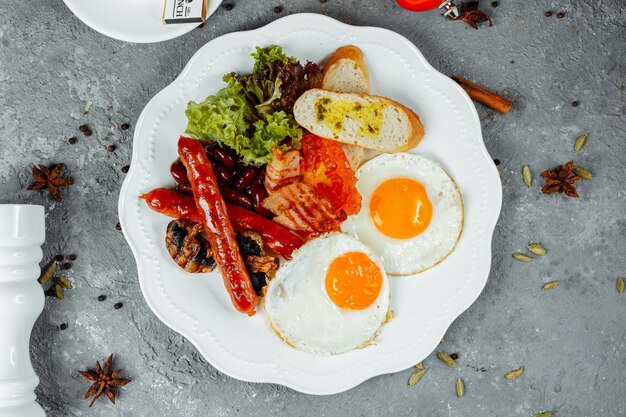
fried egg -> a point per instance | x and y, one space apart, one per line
332 297
412 212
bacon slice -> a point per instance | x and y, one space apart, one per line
283 169
298 207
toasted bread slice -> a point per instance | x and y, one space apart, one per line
371 122
345 71
354 154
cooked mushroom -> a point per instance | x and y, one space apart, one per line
259 281
250 244
192 252
260 267
264 264
188 248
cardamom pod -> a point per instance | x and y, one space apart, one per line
580 142
582 172
47 272
420 365
64 282
460 387
416 376
521 257
550 285
58 291
445 358
527 176
545 414
537 249
514 373
620 285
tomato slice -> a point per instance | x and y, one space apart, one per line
327 169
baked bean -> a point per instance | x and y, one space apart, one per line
235 197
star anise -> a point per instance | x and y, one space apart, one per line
46 178
470 14
105 381
560 180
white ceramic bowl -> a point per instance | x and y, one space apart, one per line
139 21
199 308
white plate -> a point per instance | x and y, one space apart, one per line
139 21
425 305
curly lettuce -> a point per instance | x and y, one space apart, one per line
290 79
220 118
250 114
269 134
265 58
263 94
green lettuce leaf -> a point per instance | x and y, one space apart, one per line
228 119
264 58
262 93
270 133
221 118
247 114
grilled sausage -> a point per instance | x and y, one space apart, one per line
217 225
180 206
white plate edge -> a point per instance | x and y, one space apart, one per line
454 314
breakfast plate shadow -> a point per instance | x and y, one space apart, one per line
425 305
139 21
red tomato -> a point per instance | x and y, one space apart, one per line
419 5
327 169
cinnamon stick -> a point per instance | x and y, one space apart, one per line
486 97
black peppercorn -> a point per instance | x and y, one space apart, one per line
72 140
88 133
83 128
323 1
117 306
278 9
560 15
496 161
494 4
125 169
63 326
67 265
58 258
548 14
228 7
102 297
72 257
454 356
111 148
124 126
118 226
575 103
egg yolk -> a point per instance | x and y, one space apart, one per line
400 208
353 281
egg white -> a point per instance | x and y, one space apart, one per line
300 311
416 254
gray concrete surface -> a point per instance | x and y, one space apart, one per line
571 340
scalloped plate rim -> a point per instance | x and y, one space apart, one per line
457 309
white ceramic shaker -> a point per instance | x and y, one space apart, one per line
22 232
